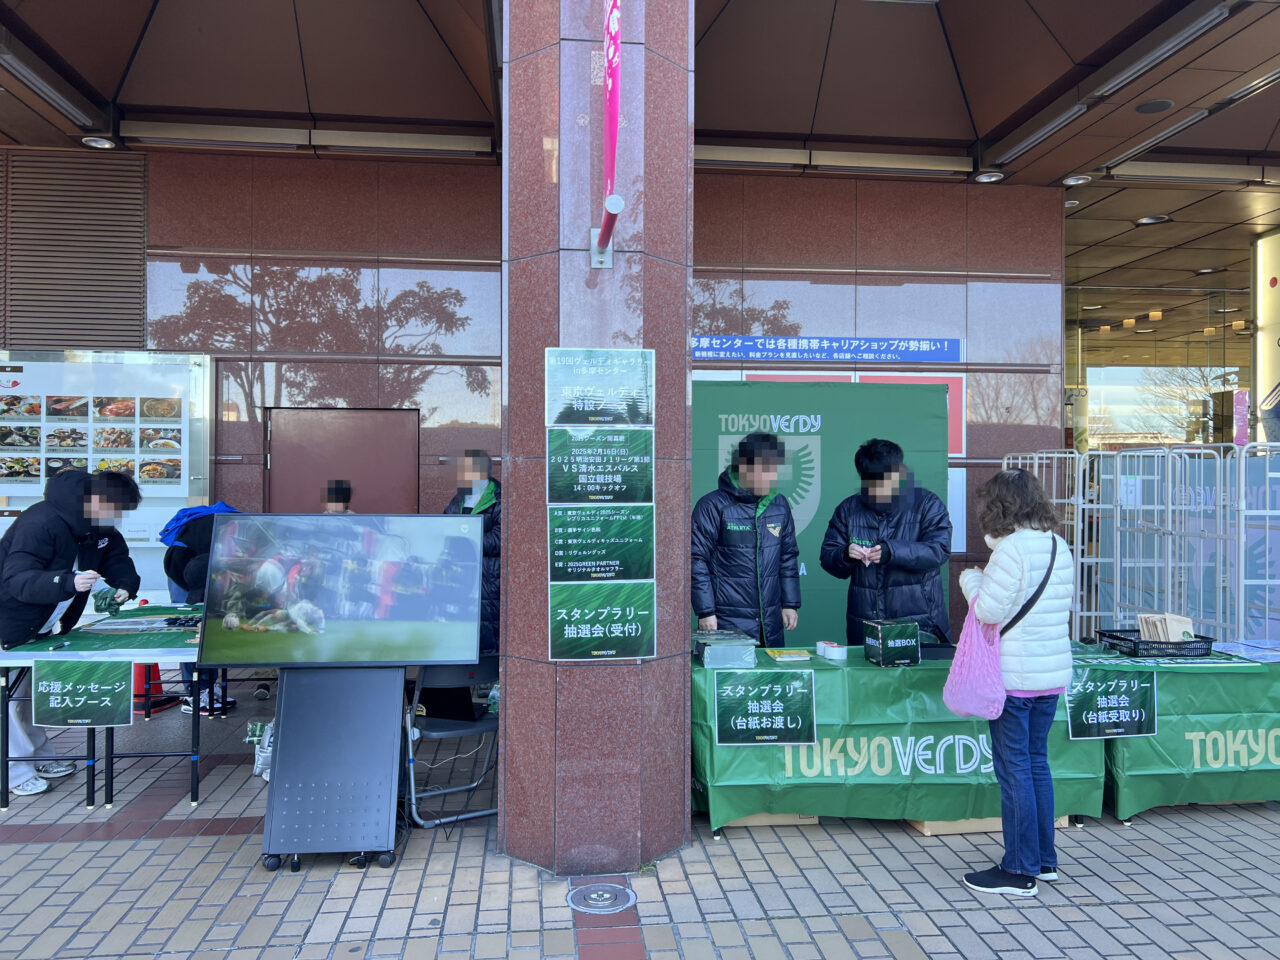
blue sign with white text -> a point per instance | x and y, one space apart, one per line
859 349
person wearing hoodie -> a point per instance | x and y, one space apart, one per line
744 568
1035 659
51 558
890 542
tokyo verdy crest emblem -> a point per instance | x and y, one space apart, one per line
799 480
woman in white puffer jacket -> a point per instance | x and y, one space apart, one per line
1035 659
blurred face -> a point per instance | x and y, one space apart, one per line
99 509
885 487
759 477
470 472
333 507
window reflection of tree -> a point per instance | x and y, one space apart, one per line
1019 398
320 311
716 308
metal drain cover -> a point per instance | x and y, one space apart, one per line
601 898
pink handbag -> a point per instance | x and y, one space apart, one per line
975 684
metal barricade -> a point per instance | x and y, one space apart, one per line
1142 534
1257 547
1203 531
1095 544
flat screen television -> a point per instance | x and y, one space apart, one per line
342 590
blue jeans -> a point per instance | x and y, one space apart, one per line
178 594
1020 754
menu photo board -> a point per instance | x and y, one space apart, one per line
127 418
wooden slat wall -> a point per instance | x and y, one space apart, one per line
75 240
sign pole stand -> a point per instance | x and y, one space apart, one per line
602 238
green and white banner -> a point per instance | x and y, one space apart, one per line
764 707
76 693
600 516
595 544
1102 704
822 425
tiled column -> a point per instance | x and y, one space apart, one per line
595 756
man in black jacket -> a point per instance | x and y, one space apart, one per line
744 570
481 494
53 555
890 542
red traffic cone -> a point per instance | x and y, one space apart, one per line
148 692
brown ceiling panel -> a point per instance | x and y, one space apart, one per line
233 55
1189 258
383 58
1235 206
1082 27
1245 48
1087 196
1003 52
1095 231
1137 277
461 26
1135 202
705 14
1169 234
1237 237
1104 258
889 75
95 38
1246 127
759 66
23 125
1183 87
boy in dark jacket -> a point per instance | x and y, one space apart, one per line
744 569
479 493
53 555
890 542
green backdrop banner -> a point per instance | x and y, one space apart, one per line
822 425
886 749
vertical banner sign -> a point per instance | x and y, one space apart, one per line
600 523
1266 292
74 693
611 117
1106 704
821 426
764 707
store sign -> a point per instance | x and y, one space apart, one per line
1105 704
130 418
595 544
828 349
600 495
764 707
73 693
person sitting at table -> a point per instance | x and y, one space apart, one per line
890 542
338 497
53 555
744 568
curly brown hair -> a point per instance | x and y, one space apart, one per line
1014 500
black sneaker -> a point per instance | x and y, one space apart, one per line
997 880
1048 873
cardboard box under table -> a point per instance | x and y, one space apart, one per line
136 635
886 749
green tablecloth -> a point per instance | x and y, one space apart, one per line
1217 741
887 749
84 643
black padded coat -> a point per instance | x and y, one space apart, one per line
915 534
744 565
491 569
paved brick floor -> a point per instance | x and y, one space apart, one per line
154 877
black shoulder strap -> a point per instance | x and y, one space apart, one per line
1031 600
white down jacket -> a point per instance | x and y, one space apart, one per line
1036 653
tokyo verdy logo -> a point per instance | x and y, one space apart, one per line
800 479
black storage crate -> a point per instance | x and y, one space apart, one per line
1131 644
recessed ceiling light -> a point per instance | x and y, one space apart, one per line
1239 324
98 143
1105 328
1092 306
1150 221
1144 330
1210 331
1155 316
1076 180
991 176
1227 310
1072 203
1154 106
1206 270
